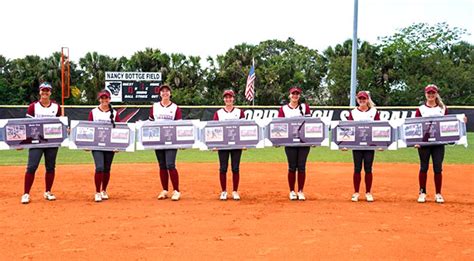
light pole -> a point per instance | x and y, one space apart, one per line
354 56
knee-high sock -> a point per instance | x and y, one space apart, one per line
105 182
29 179
174 176
291 180
49 180
356 180
438 179
368 181
422 176
98 177
223 180
164 178
235 180
301 180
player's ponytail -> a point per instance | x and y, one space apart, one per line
111 115
301 109
370 103
439 101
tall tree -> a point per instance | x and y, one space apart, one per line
25 77
186 77
413 56
94 66
278 66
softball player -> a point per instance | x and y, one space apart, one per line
103 159
229 112
366 111
433 106
162 111
42 108
296 156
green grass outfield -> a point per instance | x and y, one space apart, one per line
454 155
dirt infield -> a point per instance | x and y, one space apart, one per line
133 224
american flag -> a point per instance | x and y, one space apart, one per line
249 88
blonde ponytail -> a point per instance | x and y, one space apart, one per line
370 103
439 101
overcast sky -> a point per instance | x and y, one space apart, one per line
207 27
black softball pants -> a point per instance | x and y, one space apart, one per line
234 155
365 157
34 158
436 153
103 160
167 161
296 157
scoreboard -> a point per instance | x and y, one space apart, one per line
133 86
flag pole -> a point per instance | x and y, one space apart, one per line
255 90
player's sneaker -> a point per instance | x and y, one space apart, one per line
439 198
163 194
49 196
176 195
301 196
293 195
235 195
223 195
104 195
422 198
98 197
355 197
25 199
369 197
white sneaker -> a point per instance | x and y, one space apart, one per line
235 195
49 196
163 194
355 197
104 195
301 196
25 199
223 195
98 197
422 198
176 195
369 197
293 195
439 198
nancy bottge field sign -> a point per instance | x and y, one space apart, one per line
133 86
